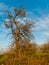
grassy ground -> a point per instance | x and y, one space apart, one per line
34 59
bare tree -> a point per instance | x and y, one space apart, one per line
45 47
20 32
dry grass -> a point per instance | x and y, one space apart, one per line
26 56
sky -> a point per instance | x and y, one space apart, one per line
37 10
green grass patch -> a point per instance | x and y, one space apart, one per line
1 55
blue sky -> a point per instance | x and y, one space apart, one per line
37 10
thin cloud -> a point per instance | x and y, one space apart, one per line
3 7
43 23
46 33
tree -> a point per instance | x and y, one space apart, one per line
20 32
45 47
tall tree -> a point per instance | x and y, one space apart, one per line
21 32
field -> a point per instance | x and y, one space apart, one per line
26 59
